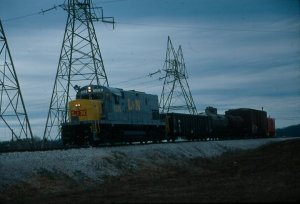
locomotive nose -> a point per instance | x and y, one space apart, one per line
85 110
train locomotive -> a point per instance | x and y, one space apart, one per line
102 114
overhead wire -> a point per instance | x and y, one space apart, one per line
20 17
142 83
111 1
33 14
206 28
139 77
43 11
142 77
132 79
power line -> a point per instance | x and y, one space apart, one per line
43 11
33 14
112 1
206 28
142 83
132 79
138 78
20 17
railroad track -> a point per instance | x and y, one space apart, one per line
38 149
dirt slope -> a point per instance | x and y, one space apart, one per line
270 173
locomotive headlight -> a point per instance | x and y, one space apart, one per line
77 105
89 89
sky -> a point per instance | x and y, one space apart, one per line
238 53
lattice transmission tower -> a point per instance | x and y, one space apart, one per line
176 95
13 115
80 61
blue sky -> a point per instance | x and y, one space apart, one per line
238 53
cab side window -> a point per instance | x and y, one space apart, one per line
117 99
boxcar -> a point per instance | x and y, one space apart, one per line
254 121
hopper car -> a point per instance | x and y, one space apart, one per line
102 114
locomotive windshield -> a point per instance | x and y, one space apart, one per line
90 92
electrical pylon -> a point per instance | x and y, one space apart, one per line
176 94
80 61
12 108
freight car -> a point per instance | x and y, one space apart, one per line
224 126
255 123
190 127
108 115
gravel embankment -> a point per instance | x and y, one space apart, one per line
97 163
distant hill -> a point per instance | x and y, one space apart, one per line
290 131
